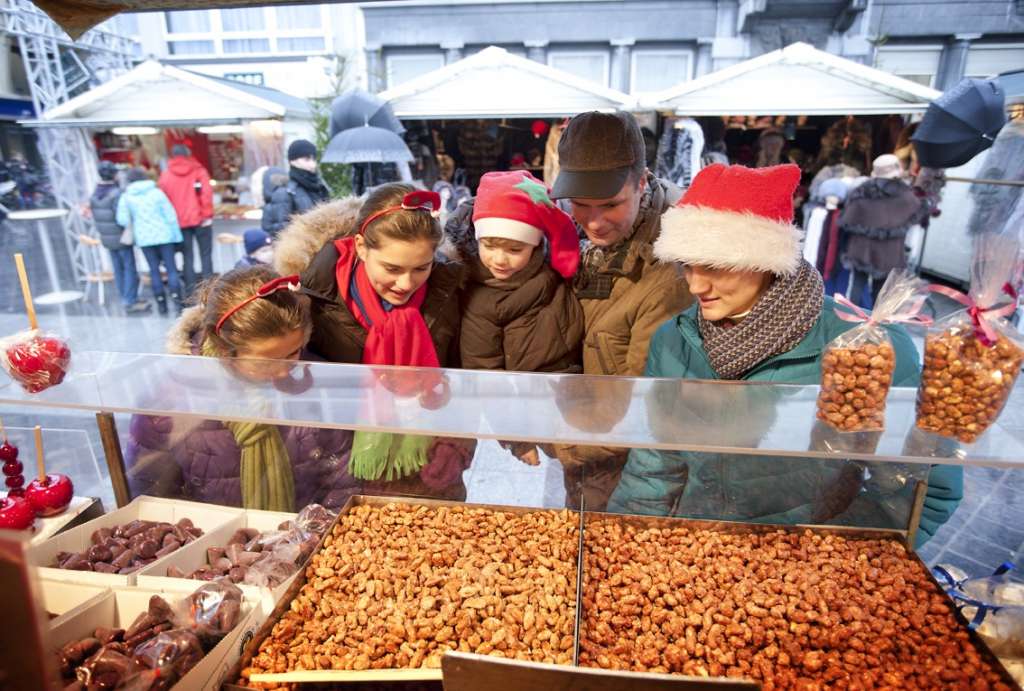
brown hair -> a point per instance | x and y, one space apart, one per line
407 226
505 243
266 317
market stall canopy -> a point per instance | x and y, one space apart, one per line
495 83
157 94
796 80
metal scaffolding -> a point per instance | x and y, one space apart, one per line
58 69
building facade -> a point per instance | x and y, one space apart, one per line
641 46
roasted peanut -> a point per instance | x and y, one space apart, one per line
854 383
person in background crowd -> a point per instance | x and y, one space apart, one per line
380 297
259 249
155 229
187 184
251 465
770 144
875 221
103 208
304 189
761 315
519 313
624 292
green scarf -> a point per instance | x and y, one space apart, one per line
266 470
381 455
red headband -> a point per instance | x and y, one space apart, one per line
269 288
422 200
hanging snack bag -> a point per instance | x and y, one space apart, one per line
972 358
857 367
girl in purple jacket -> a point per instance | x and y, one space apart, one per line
246 314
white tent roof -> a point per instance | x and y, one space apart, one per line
495 83
158 94
796 80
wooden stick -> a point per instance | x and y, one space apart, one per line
348 675
39 454
986 181
3 432
26 292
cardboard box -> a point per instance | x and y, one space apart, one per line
118 608
190 558
65 599
207 517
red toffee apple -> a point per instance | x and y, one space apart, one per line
37 362
8 451
52 497
16 513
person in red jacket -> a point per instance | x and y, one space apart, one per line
187 184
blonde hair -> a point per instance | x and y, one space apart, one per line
267 317
407 226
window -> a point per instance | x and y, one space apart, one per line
402 68
244 19
127 24
592 65
917 63
191 47
188 22
298 17
989 60
246 45
253 78
654 70
310 44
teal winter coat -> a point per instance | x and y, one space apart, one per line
756 488
150 214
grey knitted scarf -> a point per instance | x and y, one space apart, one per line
779 321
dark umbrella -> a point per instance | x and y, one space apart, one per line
960 124
366 144
356 108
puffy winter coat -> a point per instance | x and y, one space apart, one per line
875 221
103 205
187 184
150 213
302 192
181 457
755 488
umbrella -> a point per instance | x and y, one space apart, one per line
356 108
366 144
960 124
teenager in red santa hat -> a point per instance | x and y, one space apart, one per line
760 315
519 312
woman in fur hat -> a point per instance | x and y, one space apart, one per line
760 315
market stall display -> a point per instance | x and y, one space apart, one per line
14 478
49 493
127 548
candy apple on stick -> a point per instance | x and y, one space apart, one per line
15 511
50 493
35 360
13 478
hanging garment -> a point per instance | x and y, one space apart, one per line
551 155
679 152
812 239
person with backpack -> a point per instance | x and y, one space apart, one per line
304 190
187 184
103 207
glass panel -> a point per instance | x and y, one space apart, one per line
402 68
191 47
986 62
188 22
590 66
246 45
127 24
254 78
298 17
919 65
656 71
300 45
243 19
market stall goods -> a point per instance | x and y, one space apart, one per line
854 384
790 609
36 361
127 548
14 478
16 513
397 585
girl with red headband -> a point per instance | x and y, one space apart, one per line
247 316
381 297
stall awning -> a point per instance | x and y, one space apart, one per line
163 95
796 80
495 83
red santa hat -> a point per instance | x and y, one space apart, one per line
514 205
736 218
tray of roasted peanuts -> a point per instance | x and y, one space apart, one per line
398 582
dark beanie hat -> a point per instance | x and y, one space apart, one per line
180 150
254 239
107 170
301 148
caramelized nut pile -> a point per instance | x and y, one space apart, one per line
854 384
396 586
965 384
790 610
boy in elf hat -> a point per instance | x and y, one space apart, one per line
519 312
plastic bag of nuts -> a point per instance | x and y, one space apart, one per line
972 358
857 367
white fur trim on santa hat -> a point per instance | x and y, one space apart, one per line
728 240
508 229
